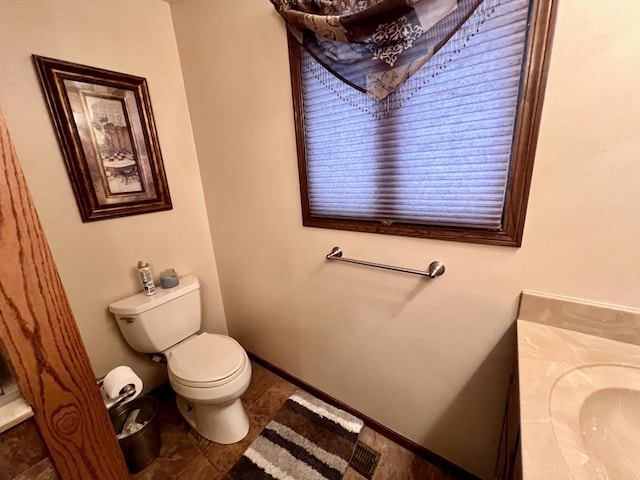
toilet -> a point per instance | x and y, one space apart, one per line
209 372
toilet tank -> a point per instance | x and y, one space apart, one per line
152 324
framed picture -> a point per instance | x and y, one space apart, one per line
108 138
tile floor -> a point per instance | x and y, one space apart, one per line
187 455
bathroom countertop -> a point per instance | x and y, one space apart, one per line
13 410
547 355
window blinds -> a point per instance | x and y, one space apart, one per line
437 151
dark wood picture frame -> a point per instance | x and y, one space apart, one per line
105 127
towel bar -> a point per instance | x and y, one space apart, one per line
435 268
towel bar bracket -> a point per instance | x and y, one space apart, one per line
435 268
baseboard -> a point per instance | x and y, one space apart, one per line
404 442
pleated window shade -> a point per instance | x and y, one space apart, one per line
435 152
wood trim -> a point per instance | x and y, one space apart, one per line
41 341
295 70
404 442
534 80
456 234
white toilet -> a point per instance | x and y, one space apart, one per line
209 372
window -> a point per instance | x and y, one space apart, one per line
449 155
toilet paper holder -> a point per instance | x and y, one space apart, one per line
126 392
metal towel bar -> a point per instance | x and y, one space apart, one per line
435 268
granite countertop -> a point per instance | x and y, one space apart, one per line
13 409
546 355
560 368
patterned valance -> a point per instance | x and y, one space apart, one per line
374 45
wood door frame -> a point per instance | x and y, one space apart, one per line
41 341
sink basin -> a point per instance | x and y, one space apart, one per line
595 418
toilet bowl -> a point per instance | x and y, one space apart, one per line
209 372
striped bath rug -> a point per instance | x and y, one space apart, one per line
307 440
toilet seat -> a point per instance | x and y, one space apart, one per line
206 360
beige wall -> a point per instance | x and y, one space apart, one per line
97 260
429 359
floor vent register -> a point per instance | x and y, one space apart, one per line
365 460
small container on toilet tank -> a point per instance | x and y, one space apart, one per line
147 278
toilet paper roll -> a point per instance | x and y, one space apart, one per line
118 378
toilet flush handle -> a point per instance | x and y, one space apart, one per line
127 319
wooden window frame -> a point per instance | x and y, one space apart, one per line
529 112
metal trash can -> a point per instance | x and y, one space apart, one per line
142 447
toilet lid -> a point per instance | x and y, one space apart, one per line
205 359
